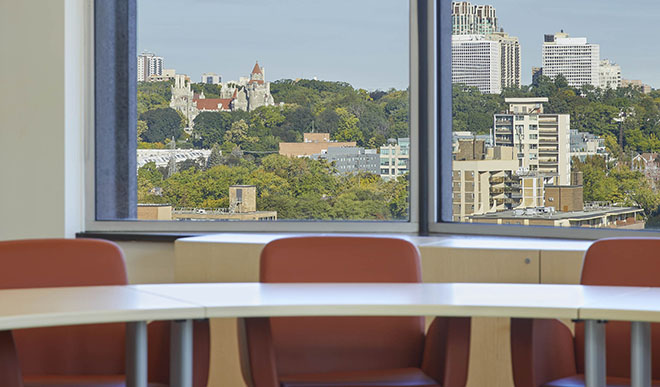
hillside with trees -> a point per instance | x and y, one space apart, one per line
245 146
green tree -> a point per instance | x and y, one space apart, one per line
348 129
238 134
162 123
210 128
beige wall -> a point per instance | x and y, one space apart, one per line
296 149
41 118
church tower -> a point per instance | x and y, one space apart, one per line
258 90
257 75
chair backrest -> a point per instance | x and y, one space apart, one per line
75 350
621 262
331 344
10 370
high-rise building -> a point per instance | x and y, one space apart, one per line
574 58
509 58
476 61
469 19
148 64
541 141
610 75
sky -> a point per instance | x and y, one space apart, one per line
363 42
366 42
627 31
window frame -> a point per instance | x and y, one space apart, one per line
431 162
441 171
95 175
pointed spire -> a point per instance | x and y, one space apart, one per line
257 69
235 93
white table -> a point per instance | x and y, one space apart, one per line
641 309
137 304
46 307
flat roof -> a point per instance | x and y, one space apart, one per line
586 214
526 100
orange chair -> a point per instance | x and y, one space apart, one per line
10 370
545 353
350 351
85 355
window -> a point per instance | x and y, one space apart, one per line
546 147
541 158
248 127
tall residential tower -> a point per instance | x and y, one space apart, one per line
541 142
476 61
574 58
469 19
148 64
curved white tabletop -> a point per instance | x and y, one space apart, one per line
42 307
442 299
27 308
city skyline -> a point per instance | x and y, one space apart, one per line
343 54
622 31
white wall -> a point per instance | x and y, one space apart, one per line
41 118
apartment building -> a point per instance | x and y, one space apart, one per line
585 144
470 19
395 158
541 142
477 61
148 64
490 183
574 58
509 58
610 75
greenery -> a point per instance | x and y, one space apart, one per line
245 146
297 188
161 123
627 119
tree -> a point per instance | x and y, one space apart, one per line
162 123
210 128
141 128
238 134
347 128
215 158
209 90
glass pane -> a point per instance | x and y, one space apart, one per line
555 121
265 110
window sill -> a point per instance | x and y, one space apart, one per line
438 240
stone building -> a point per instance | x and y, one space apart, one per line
247 94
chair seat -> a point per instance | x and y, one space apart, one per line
578 381
400 377
79 381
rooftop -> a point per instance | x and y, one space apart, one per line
587 213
